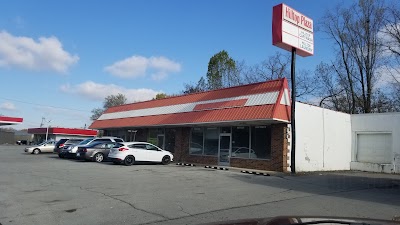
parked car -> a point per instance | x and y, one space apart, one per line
95 151
46 146
22 142
60 144
70 151
69 142
131 152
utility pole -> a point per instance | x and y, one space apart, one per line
47 130
41 124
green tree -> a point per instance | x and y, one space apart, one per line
96 113
114 100
109 101
160 96
222 71
199 87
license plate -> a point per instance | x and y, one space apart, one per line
78 154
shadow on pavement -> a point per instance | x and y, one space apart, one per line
357 185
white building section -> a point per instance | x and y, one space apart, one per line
323 139
376 142
252 100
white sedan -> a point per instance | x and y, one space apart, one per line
130 152
46 146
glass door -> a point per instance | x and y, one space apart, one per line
224 150
160 140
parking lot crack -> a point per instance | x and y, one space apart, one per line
182 210
262 203
126 202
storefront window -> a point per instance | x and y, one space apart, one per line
240 142
196 141
170 140
260 142
154 138
211 141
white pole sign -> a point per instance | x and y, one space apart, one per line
292 29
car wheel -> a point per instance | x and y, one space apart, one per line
98 157
129 160
36 151
61 155
166 160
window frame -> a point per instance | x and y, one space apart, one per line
190 141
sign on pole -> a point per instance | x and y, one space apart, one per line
291 29
293 32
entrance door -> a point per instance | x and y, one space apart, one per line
224 151
160 140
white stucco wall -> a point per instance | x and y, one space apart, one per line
382 123
323 139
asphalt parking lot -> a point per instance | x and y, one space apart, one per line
43 189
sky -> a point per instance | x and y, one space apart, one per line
60 59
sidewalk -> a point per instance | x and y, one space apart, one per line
236 169
348 173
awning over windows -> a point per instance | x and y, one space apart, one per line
63 131
267 101
5 120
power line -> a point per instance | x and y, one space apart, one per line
36 104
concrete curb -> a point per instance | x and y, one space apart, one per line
216 167
241 170
185 164
255 173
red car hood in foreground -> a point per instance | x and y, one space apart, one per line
305 221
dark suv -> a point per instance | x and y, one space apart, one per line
69 142
70 151
60 144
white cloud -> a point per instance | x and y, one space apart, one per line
8 106
26 53
96 91
137 66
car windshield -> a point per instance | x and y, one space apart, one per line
43 143
84 142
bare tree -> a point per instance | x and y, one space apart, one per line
355 33
278 66
392 30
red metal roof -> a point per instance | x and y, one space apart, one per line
6 120
215 109
256 88
63 131
225 115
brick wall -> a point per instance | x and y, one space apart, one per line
278 161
